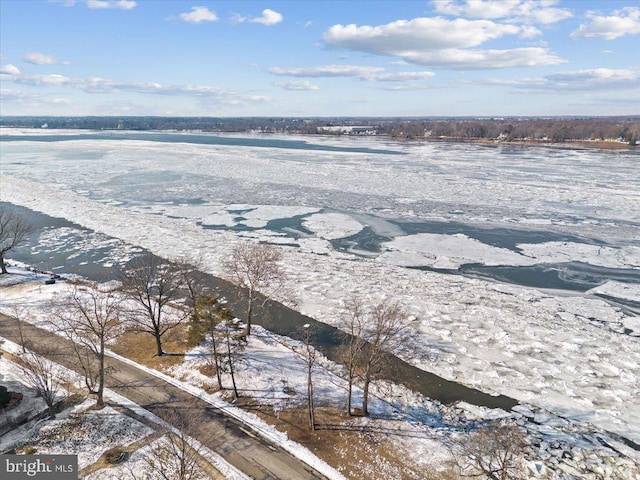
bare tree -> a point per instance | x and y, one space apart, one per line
153 285
13 230
211 313
351 333
41 374
255 268
194 289
90 318
493 451
385 327
176 457
310 354
234 342
188 271
19 312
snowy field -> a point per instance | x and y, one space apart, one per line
571 353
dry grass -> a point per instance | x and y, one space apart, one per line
141 347
359 453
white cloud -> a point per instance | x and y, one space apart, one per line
9 69
39 80
100 4
269 17
327 71
417 35
297 85
15 94
368 74
622 22
42 59
400 87
22 97
104 4
199 15
98 85
525 11
596 79
528 31
64 3
438 42
461 59
402 76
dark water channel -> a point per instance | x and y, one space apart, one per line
574 276
274 316
201 139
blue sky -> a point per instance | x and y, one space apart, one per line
320 57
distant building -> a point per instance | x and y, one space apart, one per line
349 130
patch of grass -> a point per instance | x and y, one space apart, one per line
358 452
72 400
141 347
115 455
208 370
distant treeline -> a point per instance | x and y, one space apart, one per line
623 130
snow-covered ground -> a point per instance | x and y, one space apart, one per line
78 430
89 433
272 369
24 290
565 352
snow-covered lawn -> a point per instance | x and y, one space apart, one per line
88 433
78 430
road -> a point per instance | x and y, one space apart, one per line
223 434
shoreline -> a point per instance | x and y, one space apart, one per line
571 144
488 142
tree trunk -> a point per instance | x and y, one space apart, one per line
159 351
233 378
312 420
349 395
23 343
216 360
365 396
100 400
247 330
2 265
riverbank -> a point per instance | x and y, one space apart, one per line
568 144
6 130
271 375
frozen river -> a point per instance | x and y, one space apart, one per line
550 237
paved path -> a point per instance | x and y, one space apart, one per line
234 441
